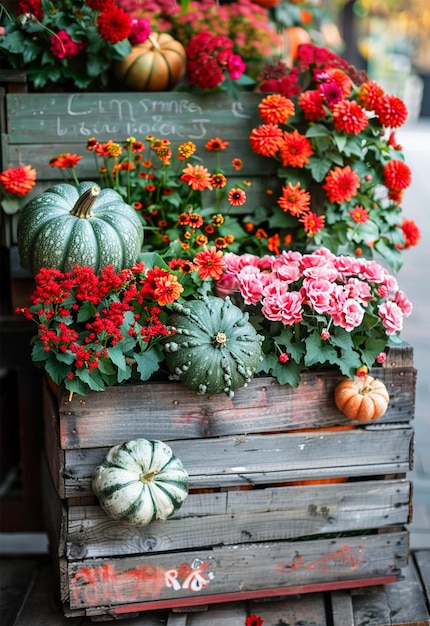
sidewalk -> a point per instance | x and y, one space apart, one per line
414 281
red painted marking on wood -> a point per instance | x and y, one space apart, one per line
95 586
242 595
345 556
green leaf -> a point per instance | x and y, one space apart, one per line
92 379
56 370
318 351
148 362
317 130
391 255
117 357
320 168
86 311
76 386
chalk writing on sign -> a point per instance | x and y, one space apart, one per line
95 586
181 118
345 556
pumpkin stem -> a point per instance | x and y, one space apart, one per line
219 340
154 42
85 202
147 478
365 389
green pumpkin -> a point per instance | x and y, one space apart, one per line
214 349
140 481
83 225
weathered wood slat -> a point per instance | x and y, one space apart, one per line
190 575
294 610
170 411
260 515
226 614
341 608
265 459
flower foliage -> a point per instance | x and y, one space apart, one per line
331 132
248 25
73 41
94 331
317 310
183 206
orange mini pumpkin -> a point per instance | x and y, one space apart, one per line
157 64
362 398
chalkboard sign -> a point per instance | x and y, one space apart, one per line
40 126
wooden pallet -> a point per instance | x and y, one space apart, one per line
29 599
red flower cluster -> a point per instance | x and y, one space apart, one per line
210 59
64 47
92 328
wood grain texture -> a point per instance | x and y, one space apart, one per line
171 411
243 568
268 459
243 517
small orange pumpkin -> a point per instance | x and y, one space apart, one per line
157 64
361 398
295 36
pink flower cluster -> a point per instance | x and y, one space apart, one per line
335 290
210 58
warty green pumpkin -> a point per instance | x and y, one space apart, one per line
214 348
83 225
140 481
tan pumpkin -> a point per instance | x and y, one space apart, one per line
157 64
361 398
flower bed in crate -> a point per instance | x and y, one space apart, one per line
286 494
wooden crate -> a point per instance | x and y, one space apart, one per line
254 524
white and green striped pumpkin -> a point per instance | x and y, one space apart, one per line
214 347
84 225
140 481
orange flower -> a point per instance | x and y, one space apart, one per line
167 289
214 145
210 263
237 164
341 79
276 109
312 223
266 139
65 160
18 180
295 150
197 177
368 94
294 200
341 184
